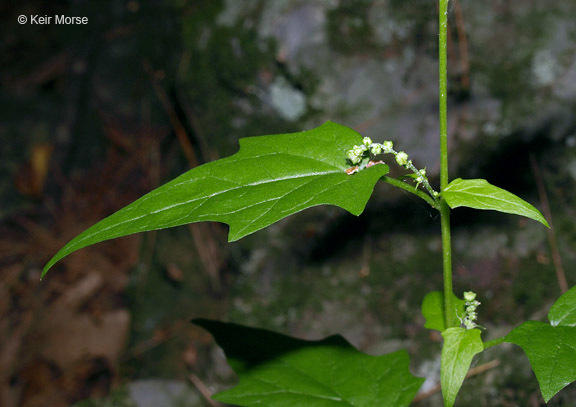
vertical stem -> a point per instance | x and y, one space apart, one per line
444 209
442 79
449 318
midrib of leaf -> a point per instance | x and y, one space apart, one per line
276 200
557 351
287 391
263 182
480 195
207 197
556 357
338 398
317 382
451 349
374 385
554 360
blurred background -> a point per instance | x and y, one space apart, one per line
93 116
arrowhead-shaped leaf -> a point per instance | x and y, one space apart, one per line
479 194
460 346
279 371
551 349
433 310
270 178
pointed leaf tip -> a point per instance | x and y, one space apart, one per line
480 194
460 347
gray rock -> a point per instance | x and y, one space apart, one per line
163 393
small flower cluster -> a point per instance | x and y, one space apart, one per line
361 157
471 304
421 177
367 149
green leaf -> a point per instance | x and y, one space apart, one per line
551 349
270 178
433 310
460 346
280 371
563 312
479 194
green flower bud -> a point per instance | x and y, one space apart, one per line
376 149
470 307
353 157
367 141
402 158
360 149
469 324
387 146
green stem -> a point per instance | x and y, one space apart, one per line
450 320
449 316
425 182
442 76
412 189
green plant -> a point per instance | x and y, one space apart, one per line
272 177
